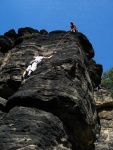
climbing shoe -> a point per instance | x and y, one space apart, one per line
28 75
23 78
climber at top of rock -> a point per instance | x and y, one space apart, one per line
73 27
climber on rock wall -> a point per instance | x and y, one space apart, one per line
33 65
73 27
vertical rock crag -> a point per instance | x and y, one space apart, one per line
54 108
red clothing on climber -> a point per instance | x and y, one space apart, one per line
73 27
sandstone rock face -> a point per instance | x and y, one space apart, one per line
29 128
54 109
104 102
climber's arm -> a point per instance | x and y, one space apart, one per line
47 58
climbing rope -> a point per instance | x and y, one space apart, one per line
61 40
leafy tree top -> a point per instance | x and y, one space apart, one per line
107 79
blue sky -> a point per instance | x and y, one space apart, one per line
94 18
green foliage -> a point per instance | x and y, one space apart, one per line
107 80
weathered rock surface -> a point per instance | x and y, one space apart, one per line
104 103
60 90
36 130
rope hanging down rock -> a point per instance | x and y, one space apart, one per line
61 40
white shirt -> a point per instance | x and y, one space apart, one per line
39 58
